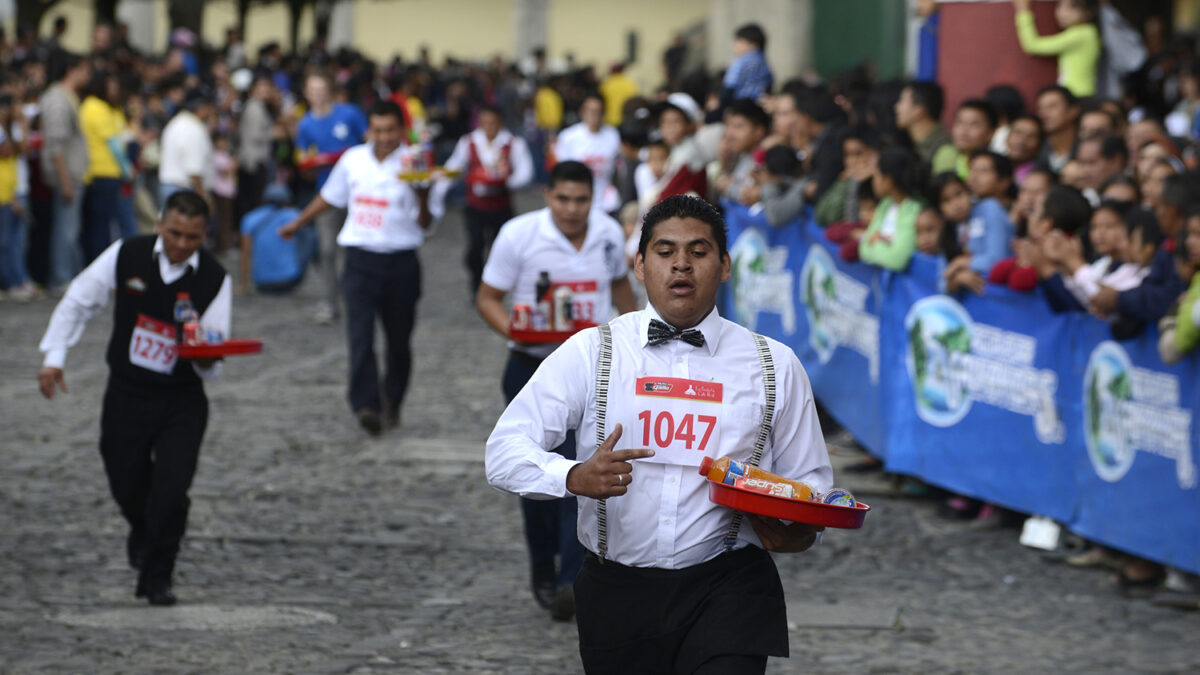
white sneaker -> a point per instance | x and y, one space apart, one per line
325 314
23 293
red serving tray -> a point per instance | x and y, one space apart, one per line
548 336
226 348
795 510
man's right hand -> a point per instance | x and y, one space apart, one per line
607 473
48 377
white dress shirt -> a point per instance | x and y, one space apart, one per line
519 158
382 210
89 293
186 151
666 519
531 243
599 152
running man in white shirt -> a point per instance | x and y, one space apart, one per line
596 144
672 582
386 223
155 411
582 249
494 162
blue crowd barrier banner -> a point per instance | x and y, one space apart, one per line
991 396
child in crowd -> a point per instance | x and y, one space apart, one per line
274 264
1152 181
1030 196
1077 46
860 158
890 239
989 230
930 230
847 232
1109 237
224 189
781 195
974 125
14 227
686 170
950 194
1179 331
1121 189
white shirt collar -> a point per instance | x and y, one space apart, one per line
710 327
193 260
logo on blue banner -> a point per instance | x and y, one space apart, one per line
1125 409
835 304
761 281
953 362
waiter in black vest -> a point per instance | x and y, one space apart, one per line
155 410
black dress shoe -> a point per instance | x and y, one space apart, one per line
542 583
369 420
159 596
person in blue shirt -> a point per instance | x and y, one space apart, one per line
275 264
325 131
989 229
748 76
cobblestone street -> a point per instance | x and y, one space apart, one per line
313 548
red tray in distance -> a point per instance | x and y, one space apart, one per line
548 336
226 348
794 510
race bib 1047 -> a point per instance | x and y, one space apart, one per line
677 418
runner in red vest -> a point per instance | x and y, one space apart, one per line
494 162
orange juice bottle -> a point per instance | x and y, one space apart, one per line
729 472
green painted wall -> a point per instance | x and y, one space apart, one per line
847 32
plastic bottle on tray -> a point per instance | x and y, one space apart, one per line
741 475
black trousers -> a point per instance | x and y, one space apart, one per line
384 285
651 620
150 442
482 227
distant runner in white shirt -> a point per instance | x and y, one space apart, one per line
494 162
386 223
669 584
582 249
596 144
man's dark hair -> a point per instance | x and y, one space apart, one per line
62 62
929 96
1006 100
1112 147
1096 106
684 206
593 93
1175 191
1000 164
187 203
986 109
780 160
494 109
822 108
1033 119
752 33
1143 220
1067 209
634 134
744 107
1061 91
570 172
865 134
866 192
383 108
904 169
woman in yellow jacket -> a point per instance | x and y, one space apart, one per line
1077 46
109 169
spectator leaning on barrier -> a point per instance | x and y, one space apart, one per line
860 159
746 125
890 239
1180 332
1109 238
989 230
782 194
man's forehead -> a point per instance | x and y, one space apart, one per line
678 229
184 223
570 189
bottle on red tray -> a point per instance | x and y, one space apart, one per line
741 475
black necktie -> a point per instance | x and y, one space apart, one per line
660 332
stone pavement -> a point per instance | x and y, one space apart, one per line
315 549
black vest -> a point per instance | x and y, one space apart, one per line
140 290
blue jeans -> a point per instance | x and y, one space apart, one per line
66 255
13 231
100 209
551 526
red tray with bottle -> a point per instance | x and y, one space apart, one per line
548 336
783 508
220 349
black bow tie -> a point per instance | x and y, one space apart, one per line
660 332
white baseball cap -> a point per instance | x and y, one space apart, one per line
686 105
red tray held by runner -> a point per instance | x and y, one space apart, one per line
548 336
219 349
783 508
